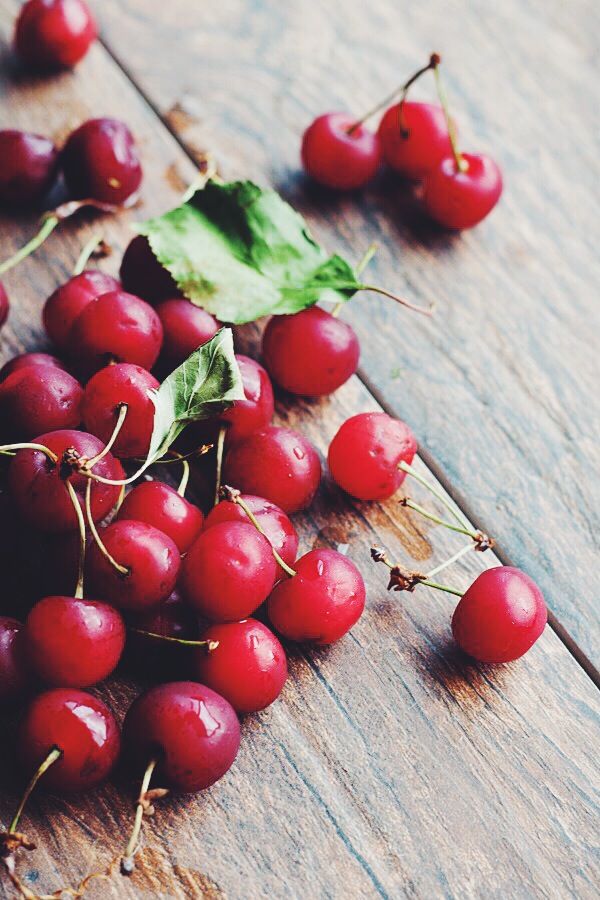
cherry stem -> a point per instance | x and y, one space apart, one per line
7 448
209 646
442 587
119 502
54 755
449 562
48 226
88 508
231 494
406 501
362 265
123 409
86 253
220 446
379 555
461 163
401 300
402 89
405 467
184 478
127 863
82 543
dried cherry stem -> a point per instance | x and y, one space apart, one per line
406 501
220 447
7 448
362 265
86 253
402 89
184 478
450 561
400 300
81 522
233 496
123 408
88 509
144 806
54 755
405 467
209 646
402 579
461 163
48 226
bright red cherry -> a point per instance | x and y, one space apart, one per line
276 525
102 399
276 463
38 399
15 673
228 572
340 154
185 326
152 561
321 602
4 305
64 305
101 161
158 504
25 360
79 725
414 138
365 453
142 274
459 200
500 616
54 33
28 168
248 668
310 353
192 732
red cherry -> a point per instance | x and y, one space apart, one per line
311 353
100 160
142 274
158 504
248 668
102 399
500 616
82 727
459 200
28 167
173 618
365 453
54 33
15 674
152 560
276 463
192 731
416 140
338 155
322 601
186 327
64 305
38 399
26 360
4 305
228 572
277 527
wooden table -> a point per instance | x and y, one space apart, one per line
391 766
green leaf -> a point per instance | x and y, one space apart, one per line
206 384
242 252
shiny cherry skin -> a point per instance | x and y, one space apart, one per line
38 399
100 160
142 274
248 668
4 305
460 200
37 485
228 572
173 618
15 672
416 140
322 602
159 504
192 732
151 557
311 353
500 616
72 642
28 168
80 725
336 158
276 525
25 360
365 453
185 328
64 305
276 463
116 326
102 399
54 34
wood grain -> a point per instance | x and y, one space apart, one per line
391 766
501 388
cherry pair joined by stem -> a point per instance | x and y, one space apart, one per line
28 168
54 34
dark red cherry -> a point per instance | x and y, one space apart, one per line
102 399
79 725
276 525
311 353
28 167
192 732
460 200
64 305
4 305
321 602
185 327
38 399
276 463
173 618
142 274
26 360
248 668
338 155
54 33
414 138
100 160
15 673
160 505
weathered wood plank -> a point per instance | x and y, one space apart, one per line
500 387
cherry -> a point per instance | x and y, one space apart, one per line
15 674
102 399
322 601
172 619
185 326
191 731
248 668
150 561
116 326
461 198
340 153
28 167
81 727
142 274
277 527
54 33
38 399
25 360
158 504
4 305
414 138
365 453
278 464
64 305
228 572
310 353
100 160
37 484
500 616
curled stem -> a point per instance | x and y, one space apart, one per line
54 755
142 806
48 226
405 467
220 447
86 252
231 494
123 408
81 523
406 501
7 448
88 509
184 478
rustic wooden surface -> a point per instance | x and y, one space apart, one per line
501 387
391 766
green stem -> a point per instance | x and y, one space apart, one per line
442 587
235 498
461 163
184 478
405 467
7 448
378 290
127 863
220 446
402 89
45 231
54 755
207 645
449 562
362 265
123 408
86 252
88 508
81 522
423 512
